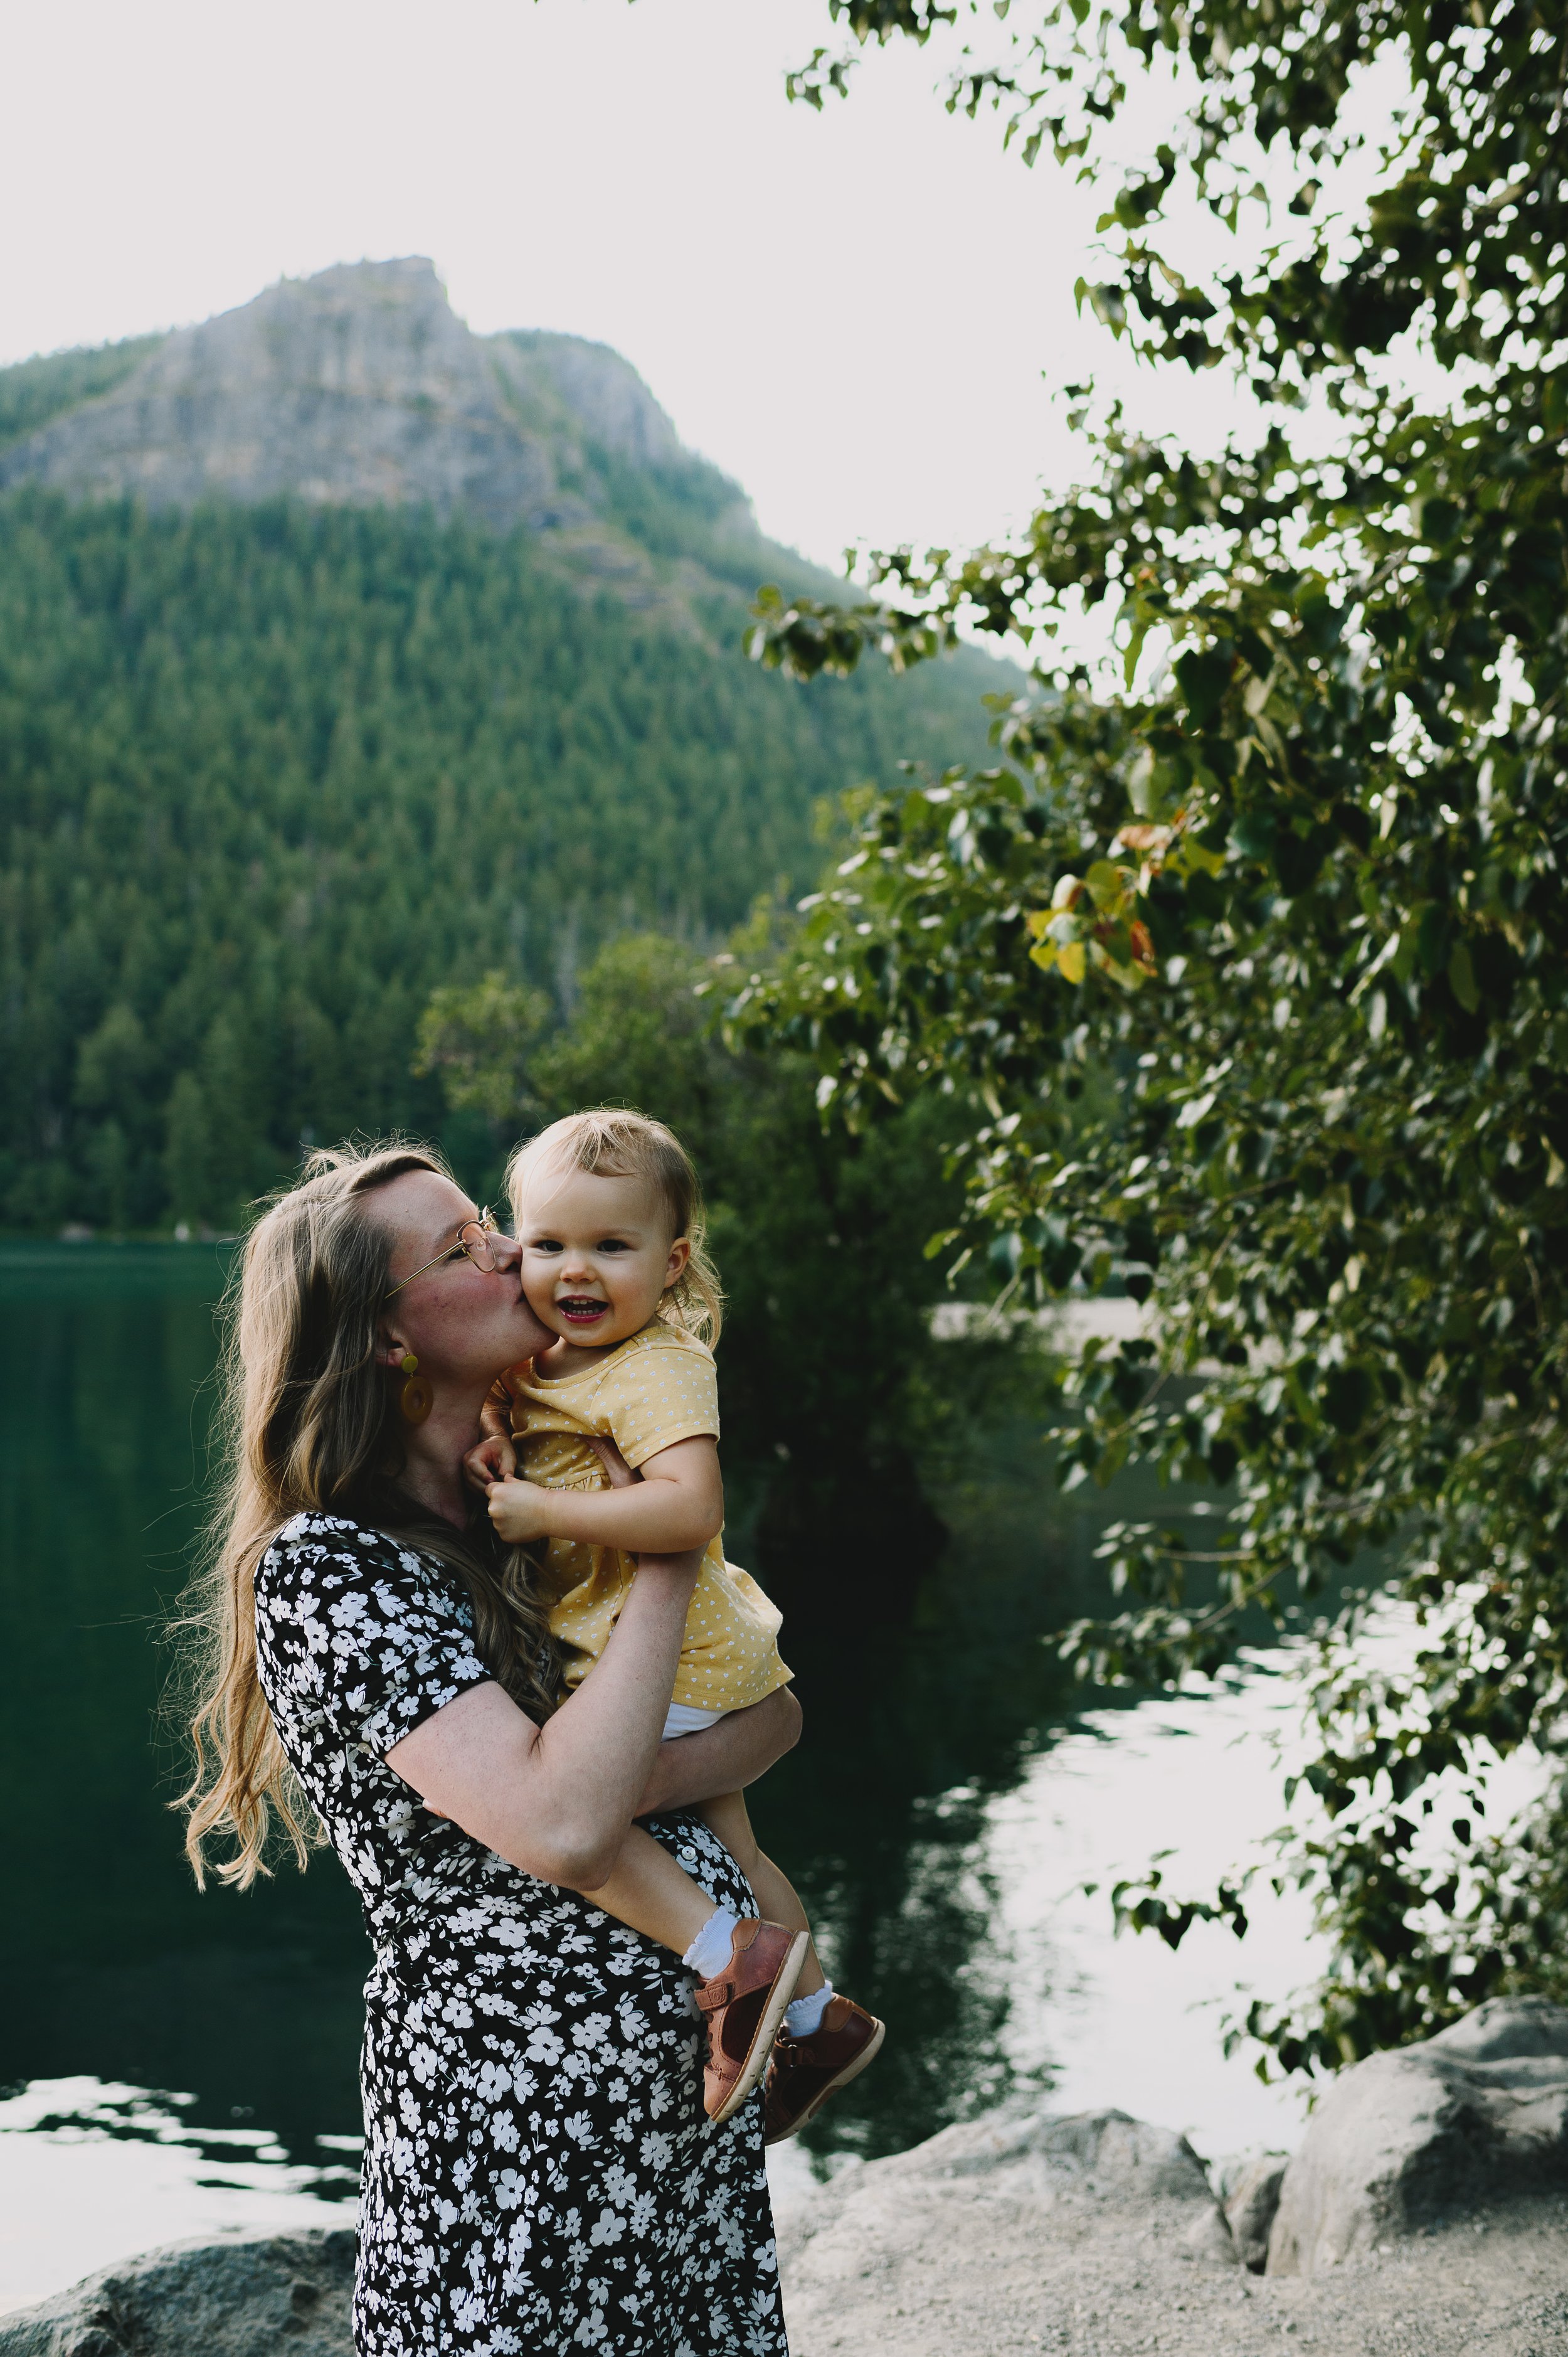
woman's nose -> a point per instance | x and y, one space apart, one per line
506 1251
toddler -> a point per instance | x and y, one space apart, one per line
607 1211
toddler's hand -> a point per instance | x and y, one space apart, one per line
495 1459
516 1508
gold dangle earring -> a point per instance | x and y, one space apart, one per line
417 1399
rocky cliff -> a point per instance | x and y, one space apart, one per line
362 387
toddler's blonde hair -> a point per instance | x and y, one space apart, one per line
612 1142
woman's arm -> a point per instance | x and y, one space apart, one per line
556 1800
722 1758
678 1501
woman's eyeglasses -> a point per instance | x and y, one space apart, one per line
476 1241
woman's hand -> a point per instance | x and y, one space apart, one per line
618 1472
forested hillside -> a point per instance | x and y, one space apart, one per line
269 774
34 390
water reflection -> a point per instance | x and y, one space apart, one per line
930 1698
111 1965
91 2173
237 2159
884 1816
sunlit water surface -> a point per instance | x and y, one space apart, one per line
173 2064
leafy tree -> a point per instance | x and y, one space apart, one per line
1300 889
481 1039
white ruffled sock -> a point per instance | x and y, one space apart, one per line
710 1951
803 2015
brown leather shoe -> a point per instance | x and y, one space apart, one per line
745 2005
806 2070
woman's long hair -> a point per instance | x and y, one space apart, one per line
308 1420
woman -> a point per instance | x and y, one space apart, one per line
539 2175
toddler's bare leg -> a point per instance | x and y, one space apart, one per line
728 1817
654 1895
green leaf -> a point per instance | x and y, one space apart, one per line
1336 1125
1461 978
1439 522
1204 677
1347 1397
1254 833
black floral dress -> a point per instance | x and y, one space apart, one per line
539 2175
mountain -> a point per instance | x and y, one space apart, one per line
345 654
362 387
356 388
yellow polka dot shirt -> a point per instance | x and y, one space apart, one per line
656 1388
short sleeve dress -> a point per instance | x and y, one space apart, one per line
539 2173
656 1388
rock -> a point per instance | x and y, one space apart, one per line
1413 2137
1097 2233
592 389
256 2296
1023 2231
357 387
1249 2209
1104 2148
976 2240
362 387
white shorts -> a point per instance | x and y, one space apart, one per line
685 1718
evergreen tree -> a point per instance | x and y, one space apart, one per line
269 776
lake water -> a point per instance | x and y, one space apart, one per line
172 2063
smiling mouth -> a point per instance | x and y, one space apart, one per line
581 1310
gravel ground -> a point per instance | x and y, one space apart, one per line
982 2242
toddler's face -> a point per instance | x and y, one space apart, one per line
597 1257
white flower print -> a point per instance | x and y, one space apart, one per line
620 2186
531 2072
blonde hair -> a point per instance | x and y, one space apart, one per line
612 1142
308 1421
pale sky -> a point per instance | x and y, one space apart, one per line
861 315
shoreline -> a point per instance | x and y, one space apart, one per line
1425 2210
